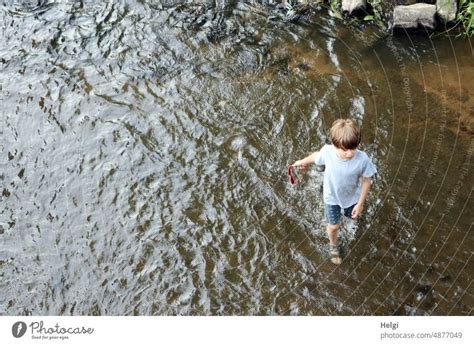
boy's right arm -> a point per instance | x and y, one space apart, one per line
305 161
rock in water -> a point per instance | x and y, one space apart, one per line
353 7
447 10
413 17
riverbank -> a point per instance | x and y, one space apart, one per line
397 16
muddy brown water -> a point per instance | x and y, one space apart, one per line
143 153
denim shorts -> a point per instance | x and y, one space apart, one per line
333 213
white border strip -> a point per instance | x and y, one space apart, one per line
273 330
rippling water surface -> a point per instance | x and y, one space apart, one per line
143 153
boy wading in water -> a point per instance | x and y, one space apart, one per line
347 178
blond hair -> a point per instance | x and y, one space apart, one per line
345 134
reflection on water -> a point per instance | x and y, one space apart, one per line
143 154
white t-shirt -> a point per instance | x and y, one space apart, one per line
342 178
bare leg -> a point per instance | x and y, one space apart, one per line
332 233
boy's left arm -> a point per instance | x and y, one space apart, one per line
359 207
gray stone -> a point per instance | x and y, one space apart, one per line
412 17
447 10
353 7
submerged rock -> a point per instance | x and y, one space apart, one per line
406 2
414 17
447 10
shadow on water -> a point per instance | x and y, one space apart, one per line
144 148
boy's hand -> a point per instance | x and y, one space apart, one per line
357 210
298 164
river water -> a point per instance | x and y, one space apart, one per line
143 152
